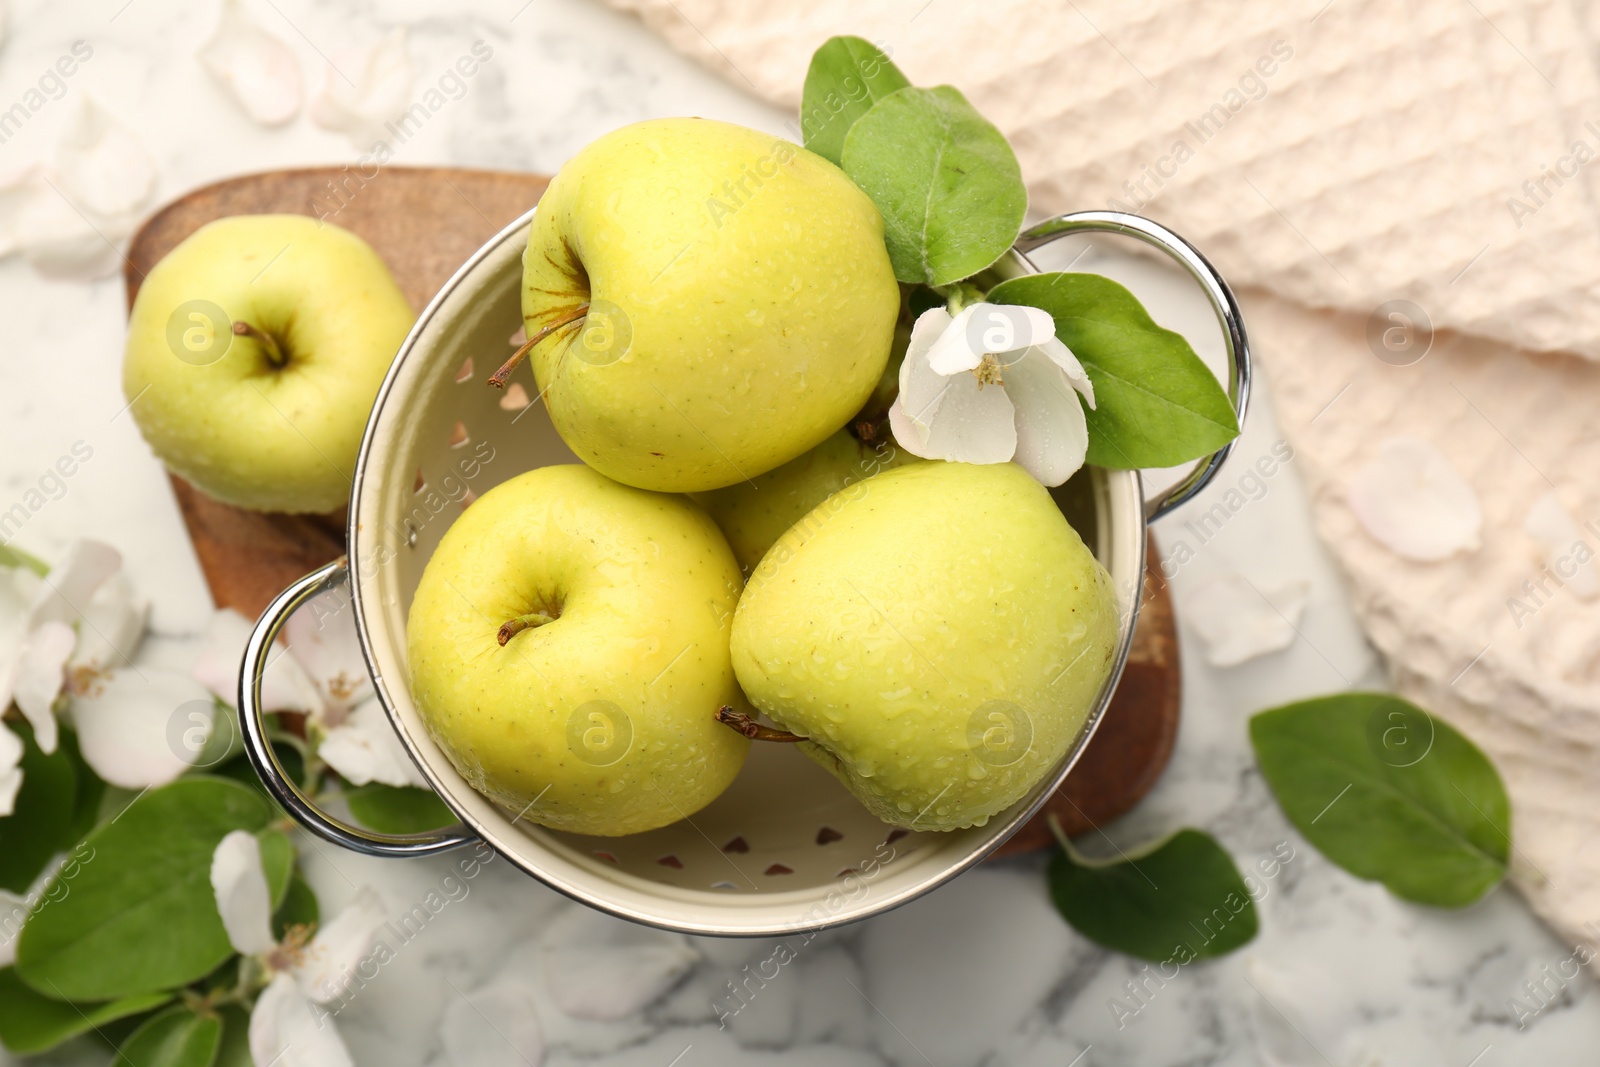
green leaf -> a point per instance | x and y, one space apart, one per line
299 908
277 862
240 770
30 1022
1389 793
846 77
41 823
234 1050
137 914
176 1037
945 180
11 556
1181 900
402 810
1156 403
91 790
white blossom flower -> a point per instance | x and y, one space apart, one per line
991 385
257 69
286 1026
321 673
71 633
366 89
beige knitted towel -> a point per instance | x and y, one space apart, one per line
1330 156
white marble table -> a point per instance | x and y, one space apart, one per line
981 971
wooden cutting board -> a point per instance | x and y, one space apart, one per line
425 222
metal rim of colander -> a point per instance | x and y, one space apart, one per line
356 838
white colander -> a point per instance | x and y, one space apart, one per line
785 849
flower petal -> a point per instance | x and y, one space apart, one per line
954 350
112 626
286 1030
973 423
1063 357
1237 623
243 900
1552 526
126 722
339 947
11 749
257 69
379 93
103 166
72 583
322 637
1411 498
598 967
994 328
493 1027
40 674
364 748
284 684
1052 434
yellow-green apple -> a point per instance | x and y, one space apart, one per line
568 650
754 514
706 302
255 349
937 633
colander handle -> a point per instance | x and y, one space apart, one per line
259 747
1222 302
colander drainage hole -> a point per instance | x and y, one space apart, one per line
895 835
608 857
459 435
671 861
738 844
515 398
778 868
465 373
828 835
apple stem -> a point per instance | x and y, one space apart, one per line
515 626
275 354
746 725
500 377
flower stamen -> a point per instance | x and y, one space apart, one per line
988 370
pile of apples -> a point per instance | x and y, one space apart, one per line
715 329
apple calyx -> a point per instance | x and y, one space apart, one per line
501 376
513 627
755 731
275 354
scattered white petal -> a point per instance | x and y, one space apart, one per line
322 638
60 242
364 748
103 166
10 779
1412 500
40 676
493 1027
1236 623
365 89
73 582
1567 553
240 885
339 947
258 69
13 910
285 686
112 627
125 720
1052 433
597 967
286 1030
